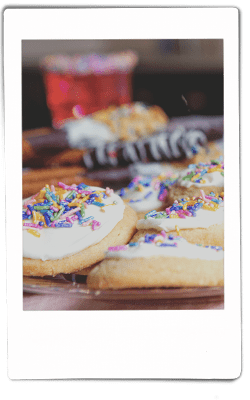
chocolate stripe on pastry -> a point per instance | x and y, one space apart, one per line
164 146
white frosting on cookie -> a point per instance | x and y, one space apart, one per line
212 179
140 203
183 249
203 219
147 197
56 243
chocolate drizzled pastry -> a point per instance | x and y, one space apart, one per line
164 146
188 133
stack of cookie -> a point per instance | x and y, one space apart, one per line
160 231
156 261
180 246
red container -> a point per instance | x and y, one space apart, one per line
113 89
73 95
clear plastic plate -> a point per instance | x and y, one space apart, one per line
76 286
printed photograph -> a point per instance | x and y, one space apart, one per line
123 174
126 116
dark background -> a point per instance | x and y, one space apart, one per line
167 71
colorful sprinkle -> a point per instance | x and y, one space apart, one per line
148 195
201 169
38 226
109 191
63 225
177 230
61 205
168 245
187 208
95 225
158 184
97 203
118 248
34 232
161 240
86 221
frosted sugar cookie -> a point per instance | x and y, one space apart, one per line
199 219
159 260
68 228
206 176
145 193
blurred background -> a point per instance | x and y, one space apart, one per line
95 108
166 71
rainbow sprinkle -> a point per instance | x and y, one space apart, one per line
217 248
198 171
59 207
159 183
160 240
118 248
187 207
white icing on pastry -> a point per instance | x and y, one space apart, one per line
145 193
212 179
183 249
203 219
201 172
56 243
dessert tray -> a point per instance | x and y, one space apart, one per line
75 285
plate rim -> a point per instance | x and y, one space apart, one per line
62 286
